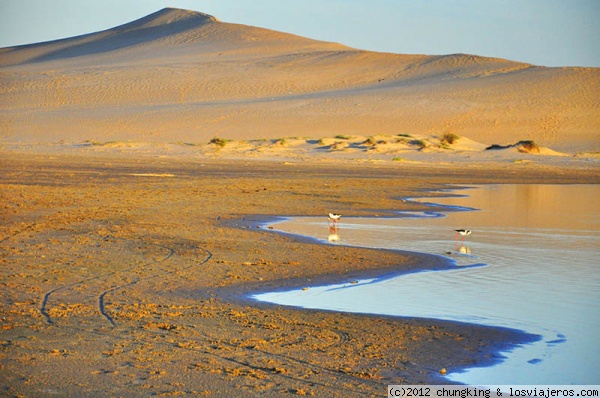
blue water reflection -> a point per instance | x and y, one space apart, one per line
530 264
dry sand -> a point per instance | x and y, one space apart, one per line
125 276
181 76
128 241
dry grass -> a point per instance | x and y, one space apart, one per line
449 139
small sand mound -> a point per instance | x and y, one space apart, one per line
461 144
526 146
549 152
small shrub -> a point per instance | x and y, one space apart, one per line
370 141
405 135
398 159
220 142
342 137
528 146
449 139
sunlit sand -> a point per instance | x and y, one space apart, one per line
139 164
182 76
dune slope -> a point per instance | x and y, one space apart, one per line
179 75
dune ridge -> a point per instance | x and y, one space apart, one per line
179 75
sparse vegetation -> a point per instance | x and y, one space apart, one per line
449 139
220 142
495 147
108 143
405 135
398 159
528 146
370 141
342 137
338 146
525 146
419 143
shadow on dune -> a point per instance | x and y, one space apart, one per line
156 26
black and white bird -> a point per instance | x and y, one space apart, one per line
334 217
462 232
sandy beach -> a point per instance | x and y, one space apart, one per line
137 164
126 276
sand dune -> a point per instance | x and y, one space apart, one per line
179 75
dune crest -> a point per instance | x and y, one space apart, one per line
179 75
171 15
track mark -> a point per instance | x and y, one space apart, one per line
101 301
44 305
101 297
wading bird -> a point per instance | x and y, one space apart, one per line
462 232
334 217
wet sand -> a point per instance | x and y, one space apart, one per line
125 276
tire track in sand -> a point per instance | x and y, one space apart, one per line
101 306
44 306
102 296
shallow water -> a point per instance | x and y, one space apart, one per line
531 264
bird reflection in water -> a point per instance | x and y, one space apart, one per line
333 227
460 247
463 249
333 233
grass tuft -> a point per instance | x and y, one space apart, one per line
449 139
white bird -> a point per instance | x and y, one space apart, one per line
463 233
334 217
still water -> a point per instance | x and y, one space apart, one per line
532 263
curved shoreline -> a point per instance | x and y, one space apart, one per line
194 321
538 254
491 356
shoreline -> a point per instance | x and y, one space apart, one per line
490 357
167 256
356 230
424 262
